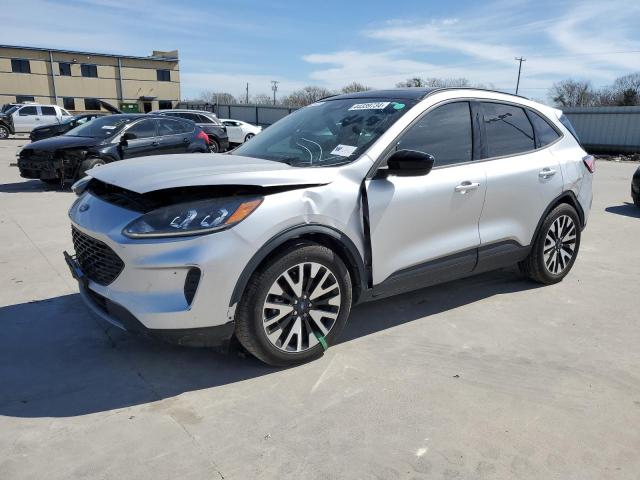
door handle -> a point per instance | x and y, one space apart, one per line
546 172
466 186
155 144
185 140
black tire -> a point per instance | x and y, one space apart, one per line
4 132
636 201
249 315
249 136
214 146
88 164
534 266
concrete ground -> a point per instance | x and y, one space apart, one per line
489 377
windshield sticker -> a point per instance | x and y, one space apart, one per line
398 106
108 127
343 150
316 104
369 106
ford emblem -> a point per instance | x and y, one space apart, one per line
84 207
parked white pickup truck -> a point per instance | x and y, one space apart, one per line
24 118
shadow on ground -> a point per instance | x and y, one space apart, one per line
627 209
56 360
31 186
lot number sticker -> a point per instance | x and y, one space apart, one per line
343 150
369 106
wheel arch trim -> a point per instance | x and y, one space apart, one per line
348 249
565 197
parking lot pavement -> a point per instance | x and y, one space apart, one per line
488 377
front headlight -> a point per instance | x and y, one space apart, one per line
81 185
192 218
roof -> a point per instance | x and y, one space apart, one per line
94 54
412 93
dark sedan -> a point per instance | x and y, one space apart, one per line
635 187
108 139
47 131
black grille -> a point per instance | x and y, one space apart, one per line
191 284
97 261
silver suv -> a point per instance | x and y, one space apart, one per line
352 198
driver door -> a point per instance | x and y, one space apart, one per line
424 229
145 142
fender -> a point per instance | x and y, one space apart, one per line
355 261
565 197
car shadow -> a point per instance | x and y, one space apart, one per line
57 360
627 210
31 186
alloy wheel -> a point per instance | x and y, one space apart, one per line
4 133
301 307
560 244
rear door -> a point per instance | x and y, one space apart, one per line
429 224
523 177
174 135
48 115
146 141
26 118
234 131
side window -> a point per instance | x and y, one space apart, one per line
48 111
173 127
204 119
144 129
444 133
26 111
565 121
545 133
508 130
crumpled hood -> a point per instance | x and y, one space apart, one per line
62 142
148 174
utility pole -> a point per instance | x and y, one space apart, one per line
246 99
274 87
519 70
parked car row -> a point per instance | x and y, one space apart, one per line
64 147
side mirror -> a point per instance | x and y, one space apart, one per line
409 163
126 136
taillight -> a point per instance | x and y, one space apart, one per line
203 136
589 162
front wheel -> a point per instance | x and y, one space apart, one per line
88 164
555 247
249 137
4 132
295 307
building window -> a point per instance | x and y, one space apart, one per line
164 75
89 71
20 66
91 104
65 69
165 104
24 99
69 103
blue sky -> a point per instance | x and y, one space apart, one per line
224 44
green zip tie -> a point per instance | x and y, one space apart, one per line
322 341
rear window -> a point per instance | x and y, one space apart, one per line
545 133
508 130
565 121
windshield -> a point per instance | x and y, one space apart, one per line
326 133
101 127
11 110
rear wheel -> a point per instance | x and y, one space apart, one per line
88 164
295 307
4 132
51 181
214 147
636 201
555 248
249 137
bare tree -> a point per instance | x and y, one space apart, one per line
306 96
412 82
213 97
261 99
626 90
572 93
433 82
354 87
